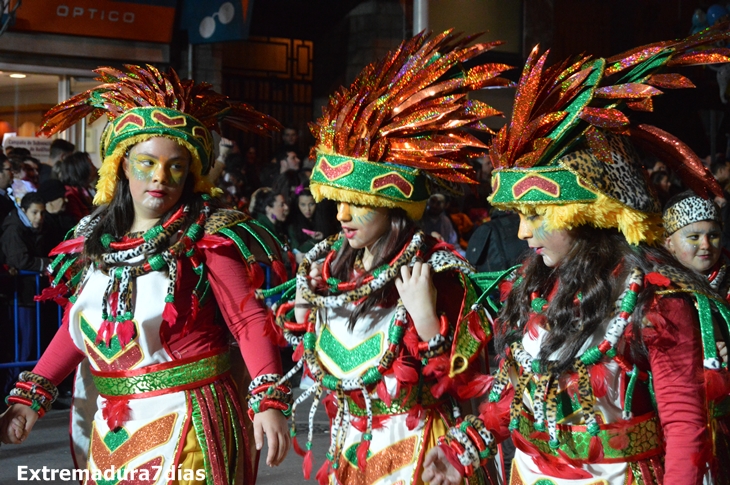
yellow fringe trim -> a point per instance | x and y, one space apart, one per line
414 209
108 179
604 213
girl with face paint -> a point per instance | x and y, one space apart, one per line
142 280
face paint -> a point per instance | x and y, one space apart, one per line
156 170
553 246
362 225
696 245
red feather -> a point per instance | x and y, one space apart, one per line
414 416
55 293
411 341
307 465
598 380
279 270
383 393
475 326
495 415
125 332
361 423
297 449
257 275
717 384
546 464
437 366
273 331
405 371
169 314
535 320
331 408
72 246
323 473
657 279
211 241
505 288
116 412
362 454
476 386
442 385
595 450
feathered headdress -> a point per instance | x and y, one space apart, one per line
142 103
567 152
398 129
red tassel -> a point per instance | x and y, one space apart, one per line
475 326
113 302
361 422
362 454
414 416
257 275
298 352
307 465
331 407
116 412
595 450
358 398
125 332
105 333
169 314
383 393
298 449
279 271
55 293
405 371
598 380
323 473
505 288
546 464
72 246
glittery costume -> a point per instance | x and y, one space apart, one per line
387 141
567 155
155 395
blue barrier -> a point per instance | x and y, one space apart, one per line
16 323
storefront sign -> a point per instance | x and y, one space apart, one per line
143 20
40 148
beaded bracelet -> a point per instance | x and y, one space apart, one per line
268 391
471 442
34 391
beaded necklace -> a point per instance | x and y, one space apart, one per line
547 385
348 292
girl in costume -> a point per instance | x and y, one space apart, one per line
693 230
141 282
601 379
385 320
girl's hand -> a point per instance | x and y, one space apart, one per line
418 294
272 424
16 423
437 470
721 351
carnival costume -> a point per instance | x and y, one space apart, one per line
143 316
567 156
388 141
714 327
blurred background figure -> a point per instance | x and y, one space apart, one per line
75 173
59 150
301 226
436 223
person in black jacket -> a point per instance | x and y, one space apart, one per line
22 239
494 246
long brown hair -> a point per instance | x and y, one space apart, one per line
596 267
385 249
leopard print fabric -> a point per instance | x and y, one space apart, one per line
621 180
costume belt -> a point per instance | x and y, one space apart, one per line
624 441
400 404
165 378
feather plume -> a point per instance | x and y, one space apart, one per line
140 86
406 108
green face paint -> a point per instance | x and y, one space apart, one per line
143 168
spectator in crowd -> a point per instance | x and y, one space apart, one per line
20 152
302 229
6 180
58 222
721 171
74 172
461 222
653 165
287 183
285 160
270 209
21 185
435 221
662 186
31 166
8 150
494 246
22 239
59 149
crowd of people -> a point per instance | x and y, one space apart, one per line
582 254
